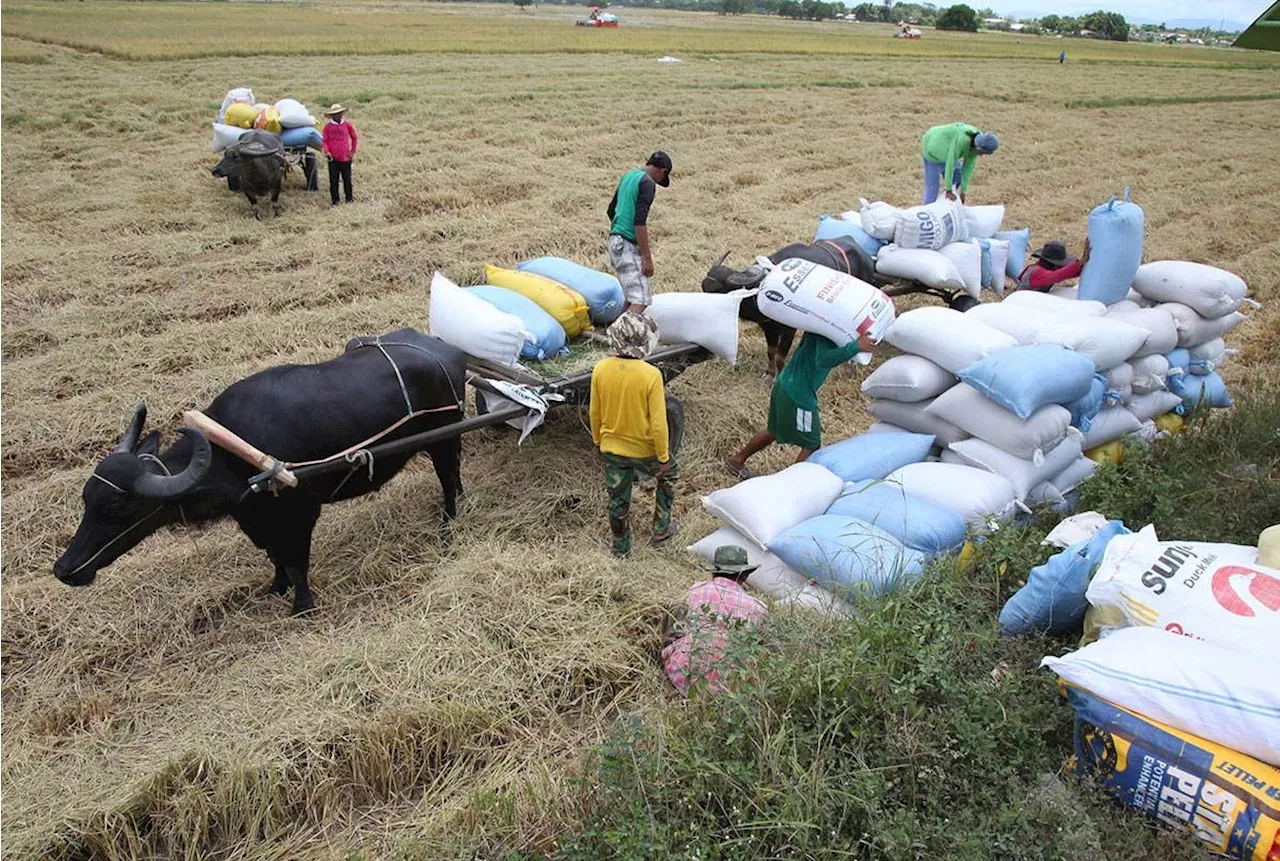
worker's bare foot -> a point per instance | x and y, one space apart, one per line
737 470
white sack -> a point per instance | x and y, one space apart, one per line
885 427
239 94
1148 432
915 418
1209 291
1147 407
931 268
707 319
1074 475
971 411
1209 356
1162 331
1110 424
947 338
1106 342
1214 592
1194 329
1192 685
817 299
473 325
974 494
1021 323
762 508
967 258
1055 304
1119 383
932 225
999 263
1022 474
773 577
982 222
879 219
1150 374
908 379
293 114
225 135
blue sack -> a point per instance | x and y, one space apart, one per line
873 455
601 290
1019 241
917 523
1086 408
302 136
1195 389
1024 379
1115 242
548 335
830 227
1179 358
1053 600
848 556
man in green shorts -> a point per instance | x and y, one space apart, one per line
629 252
793 403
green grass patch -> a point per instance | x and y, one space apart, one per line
1125 101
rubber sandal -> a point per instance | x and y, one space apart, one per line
663 537
739 472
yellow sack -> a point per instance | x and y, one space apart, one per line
1269 547
1097 618
269 119
1111 452
241 114
567 306
1171 422
968 556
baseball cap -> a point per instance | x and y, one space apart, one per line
662 160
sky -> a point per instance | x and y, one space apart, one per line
1240 11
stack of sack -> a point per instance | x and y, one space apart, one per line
997 409
832 529
288 118
1174 711
945 244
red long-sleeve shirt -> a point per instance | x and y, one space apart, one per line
1039 278
340 140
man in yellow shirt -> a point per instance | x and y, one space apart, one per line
629 424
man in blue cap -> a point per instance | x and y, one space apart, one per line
951 152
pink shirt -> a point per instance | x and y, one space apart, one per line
1040 278
340 140
715 607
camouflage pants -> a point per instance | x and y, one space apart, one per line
619 477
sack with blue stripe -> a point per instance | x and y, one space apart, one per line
873 455
830 227
850 557
601 290
1115 240
548 338
918 523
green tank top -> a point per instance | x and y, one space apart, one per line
624 214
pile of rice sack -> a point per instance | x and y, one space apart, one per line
288 118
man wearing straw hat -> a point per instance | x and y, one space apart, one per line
629 424
340 142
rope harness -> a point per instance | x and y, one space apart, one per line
123 532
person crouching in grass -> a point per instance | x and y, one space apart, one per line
629 425
793 403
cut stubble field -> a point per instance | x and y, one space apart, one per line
447 686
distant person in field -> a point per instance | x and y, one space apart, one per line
793 402
1062 58
629 250
340 142
951 154
629 424
1052 266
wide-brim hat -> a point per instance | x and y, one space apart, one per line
1054 253
633 336
334 110
730 560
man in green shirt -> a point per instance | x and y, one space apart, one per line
629 229
793 403
951 153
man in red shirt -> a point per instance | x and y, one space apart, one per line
1053 266
340 142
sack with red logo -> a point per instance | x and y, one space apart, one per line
1213 592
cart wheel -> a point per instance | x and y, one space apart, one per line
675 423
961 302
233 183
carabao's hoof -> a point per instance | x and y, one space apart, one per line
274 588
303 609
